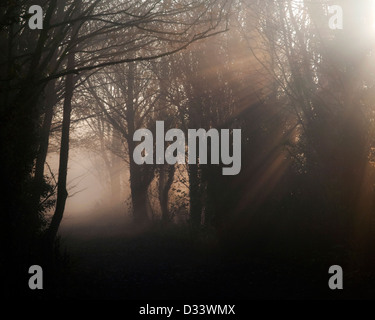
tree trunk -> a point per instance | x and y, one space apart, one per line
62 193
116 169
139 180
139 192
195 196
162 199
165 183
44 142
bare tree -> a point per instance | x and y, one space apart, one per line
100 34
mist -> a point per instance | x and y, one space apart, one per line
93 209
274 186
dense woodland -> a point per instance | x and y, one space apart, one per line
302 94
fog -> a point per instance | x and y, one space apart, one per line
91 208
289 85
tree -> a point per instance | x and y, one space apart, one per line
100 34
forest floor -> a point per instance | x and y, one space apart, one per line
108 259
